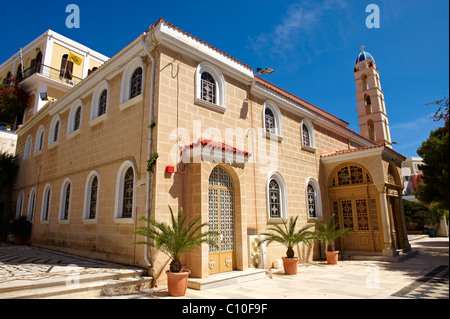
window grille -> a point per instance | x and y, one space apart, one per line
274 199
127 204
208 88
93 198
136 83
102 103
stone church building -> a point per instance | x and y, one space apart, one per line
172 120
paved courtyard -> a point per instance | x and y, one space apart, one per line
424 276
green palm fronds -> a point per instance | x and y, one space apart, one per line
177 239
287 235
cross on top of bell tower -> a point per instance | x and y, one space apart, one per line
362 48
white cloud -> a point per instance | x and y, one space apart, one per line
296 29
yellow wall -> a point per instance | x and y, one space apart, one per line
57 53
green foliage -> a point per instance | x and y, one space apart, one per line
435 154
152 162
13 101
423 215
287 235
177 239
328 233
9 165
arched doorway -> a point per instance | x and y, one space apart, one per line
353 201
221 216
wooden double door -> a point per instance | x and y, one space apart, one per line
361 215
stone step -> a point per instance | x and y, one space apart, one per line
226 278
358 255
87 286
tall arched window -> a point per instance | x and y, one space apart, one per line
125 192
313 199
368 104
19 205
46 201
272 120
102 103
308 136
74 121
276 198
365 82
27 151
269 120
91 196
136 83
39 139
31 204
305 136
54 130
77 119
66 192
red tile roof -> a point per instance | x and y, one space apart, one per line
334 153
218 145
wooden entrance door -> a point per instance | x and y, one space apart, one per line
221 219
359 214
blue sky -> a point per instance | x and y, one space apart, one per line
311 45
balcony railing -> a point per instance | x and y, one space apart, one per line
62 75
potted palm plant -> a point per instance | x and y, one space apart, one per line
288 237
328 233
174 241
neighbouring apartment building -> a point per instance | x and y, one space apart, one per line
233 149
412 176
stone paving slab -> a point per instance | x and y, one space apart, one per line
316 280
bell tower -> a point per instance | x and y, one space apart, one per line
373 119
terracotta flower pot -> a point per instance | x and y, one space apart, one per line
18 240
290 265
332 257
177 282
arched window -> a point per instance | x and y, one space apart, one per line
46 201
19 205
27 151
308 136
276 198
77 119
31 204
54 130
132 83
102 103
125 192
74 122
350 175
39 139
91 196
313 199
66 192
210 87
365 82
305 135
136 83
368 104
272 120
